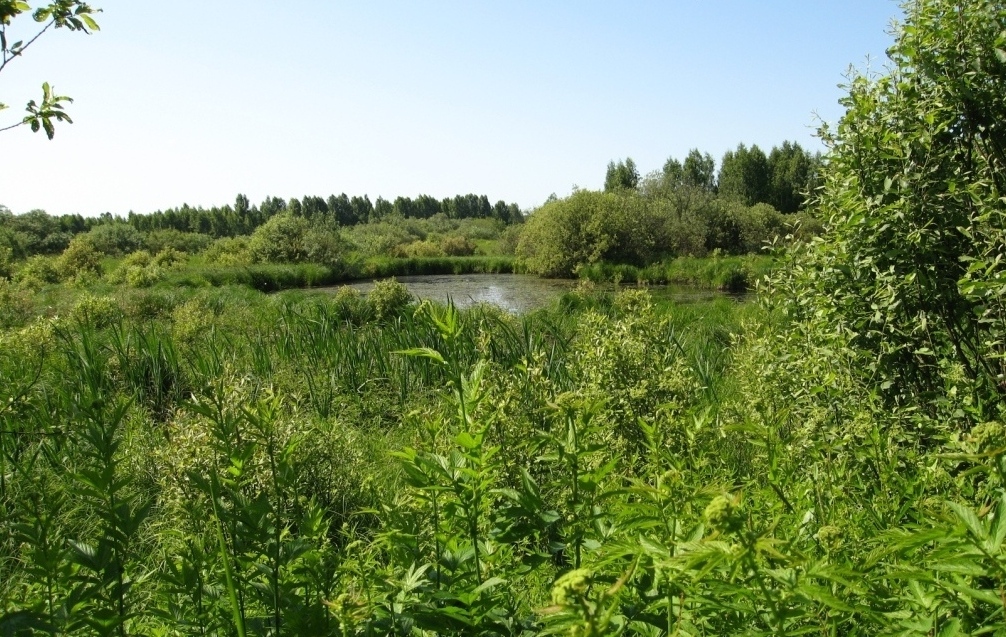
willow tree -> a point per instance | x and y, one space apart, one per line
913 270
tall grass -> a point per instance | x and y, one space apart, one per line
730 273
226 462
273 277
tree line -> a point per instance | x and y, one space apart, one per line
37 232
687 208
782 178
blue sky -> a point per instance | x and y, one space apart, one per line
193 102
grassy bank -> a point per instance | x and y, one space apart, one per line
731 273
274 277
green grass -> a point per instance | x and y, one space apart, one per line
732 273
273 277
211 459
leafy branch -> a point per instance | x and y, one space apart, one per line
69 14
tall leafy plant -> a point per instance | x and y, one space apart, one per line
911 272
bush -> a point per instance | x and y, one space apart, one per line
286 238
588 227
191 319
169 258
16 305
509 239
97 311
143 277
37 271
189 242
389 298
457 246
352 306
115 239
79 258
376 239
146 305
228 251
6 262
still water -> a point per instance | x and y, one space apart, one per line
515 293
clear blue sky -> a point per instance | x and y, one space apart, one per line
193 102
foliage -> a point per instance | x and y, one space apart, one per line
389 298
910 273
115 238
744 175
287 238
228 251
830 460
621 176
80 258
640 229
72 15
190 242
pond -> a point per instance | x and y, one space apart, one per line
516 293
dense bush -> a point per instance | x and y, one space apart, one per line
188 242
37 271
388 298
80 258
640 228
286 238
228 251
115 239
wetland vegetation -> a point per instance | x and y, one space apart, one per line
189 446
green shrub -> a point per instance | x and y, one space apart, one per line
6 262
144 305
188 242
115 238
509 239
38 271
169 258
16 305
228 251
457 246
96 311
191 319
80 258
423 249
143 276
286 238
388 298
352 306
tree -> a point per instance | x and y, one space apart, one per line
792 171
621 176
699 170
59 14
342 210
362 209
912 268
744 175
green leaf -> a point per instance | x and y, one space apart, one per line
422 352
950 628
823 596
970 520
998 531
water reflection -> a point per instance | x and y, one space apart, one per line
515 293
